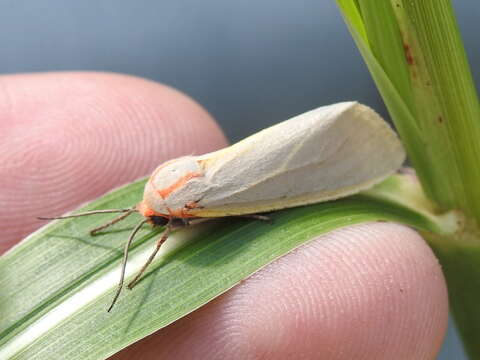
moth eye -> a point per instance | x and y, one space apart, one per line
159 220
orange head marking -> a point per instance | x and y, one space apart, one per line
147 212
163 194
177 184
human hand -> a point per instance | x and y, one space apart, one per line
370 291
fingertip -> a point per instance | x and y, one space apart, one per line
74 136
370 291
373 290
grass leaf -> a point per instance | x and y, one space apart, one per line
414 52
57 284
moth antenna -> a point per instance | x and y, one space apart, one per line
113 221
159 243
86 213
124 263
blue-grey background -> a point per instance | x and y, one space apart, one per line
250 63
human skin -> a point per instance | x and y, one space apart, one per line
370 291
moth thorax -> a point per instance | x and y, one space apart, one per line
173 173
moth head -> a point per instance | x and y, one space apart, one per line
167 179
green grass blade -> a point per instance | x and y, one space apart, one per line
445 98
462 271
386 45
57 284
398 107
415 54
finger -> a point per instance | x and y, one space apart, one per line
37 97
371 291
70 137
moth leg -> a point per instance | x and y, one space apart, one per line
178 223
186 222
159 243
88 213
124 263
113 221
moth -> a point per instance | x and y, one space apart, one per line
324 154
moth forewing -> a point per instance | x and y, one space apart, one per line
324 154
327 153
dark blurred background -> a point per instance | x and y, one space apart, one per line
250 63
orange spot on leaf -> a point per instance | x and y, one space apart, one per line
408 54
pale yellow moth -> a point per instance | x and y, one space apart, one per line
324 154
